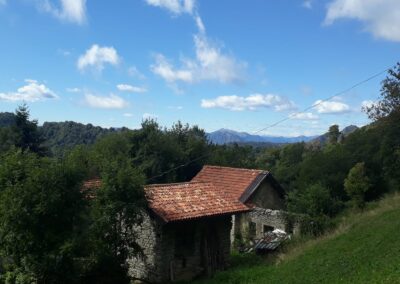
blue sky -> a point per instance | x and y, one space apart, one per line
241 65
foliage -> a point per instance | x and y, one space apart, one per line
27 134
156 151
40 205
357 184
7 119
18 131
316 200
316 206
390 93
63 136
115 212
333 134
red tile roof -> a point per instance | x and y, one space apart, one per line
181 201
92 184
189 200
234 181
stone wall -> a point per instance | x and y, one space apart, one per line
176 251
252 225
266 196
184 245
149 235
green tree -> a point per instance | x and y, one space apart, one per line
317 207
333 134
26 131
115 210
40 206
315 200
390 93
357 184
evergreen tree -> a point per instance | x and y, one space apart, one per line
333 134
26 131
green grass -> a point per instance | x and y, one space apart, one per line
365 248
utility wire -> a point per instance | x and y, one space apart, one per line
178 167
282 120
324 100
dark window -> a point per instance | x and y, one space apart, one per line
268 229
252 229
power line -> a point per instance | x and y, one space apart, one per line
324 100
282 120
178 167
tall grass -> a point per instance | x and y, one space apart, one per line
363 248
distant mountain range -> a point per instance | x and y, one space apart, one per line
226 136
60 135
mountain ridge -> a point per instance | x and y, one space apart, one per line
227 136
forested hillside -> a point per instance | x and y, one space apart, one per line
59 137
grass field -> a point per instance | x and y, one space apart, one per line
365 248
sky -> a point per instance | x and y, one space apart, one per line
241 65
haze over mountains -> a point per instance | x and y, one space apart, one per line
226 136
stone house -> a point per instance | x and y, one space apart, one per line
189 227
185 231
259 191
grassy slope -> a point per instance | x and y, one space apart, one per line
364 249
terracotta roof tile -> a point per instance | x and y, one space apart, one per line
189 200
92 184
181 201
233 181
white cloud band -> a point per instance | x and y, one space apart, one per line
33 91
251 102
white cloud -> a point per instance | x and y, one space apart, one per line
148 116
73 90
130 88
175 107
331 107
110 102
308 4
381 17
33 91
251 102
128 114
69 10
175 6
304 116
210 64
199 24
134 72
96 57
164 68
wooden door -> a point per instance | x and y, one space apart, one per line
211 251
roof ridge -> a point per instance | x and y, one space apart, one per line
244 169
177 183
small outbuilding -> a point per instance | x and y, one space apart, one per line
185 233
259 191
